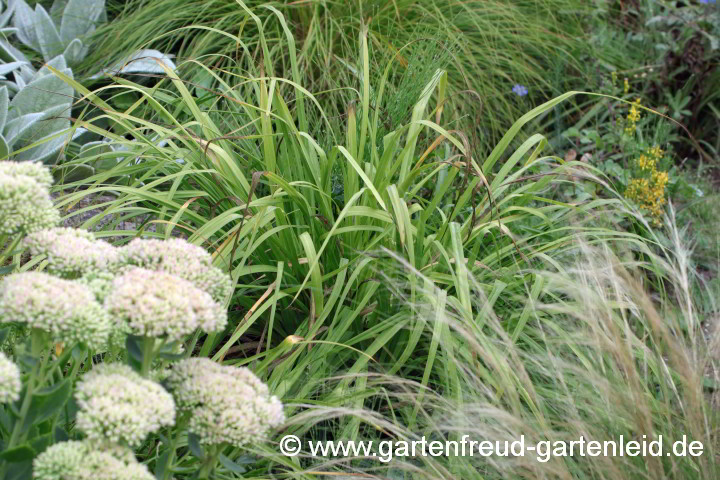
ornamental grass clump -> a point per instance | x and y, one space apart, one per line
119 405
10 384
227 405
72 252
75 460
180 258
65 309
158 304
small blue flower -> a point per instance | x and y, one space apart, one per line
707 1
520 90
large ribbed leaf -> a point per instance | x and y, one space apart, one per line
47 34
75 52
24 20
24 75
17 127
51 122
6 68
58 63
10 53
45 92
143 61
56 11
5 16
79 18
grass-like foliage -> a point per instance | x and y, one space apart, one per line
488 46
387 284
299 224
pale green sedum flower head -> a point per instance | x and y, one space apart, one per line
25 205
88 460
158 304
72 252
37 171
226 404
118 405
66 310
180 258
10 383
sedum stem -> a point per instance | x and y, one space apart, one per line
148 355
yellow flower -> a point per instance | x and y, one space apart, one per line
655 152
649 193
633 117
645 162
626 85
660 179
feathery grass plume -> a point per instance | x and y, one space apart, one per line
226 404
588 352
65 309
181 258
25 205
10 383
591 352
72 252
119 405
37 171
88 460
159 304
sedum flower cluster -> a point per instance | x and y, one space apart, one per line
72 252
25 203
118 405
226 404
75 460
36 171
99 283
10 384
181 258
156 304
66 310
175 292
